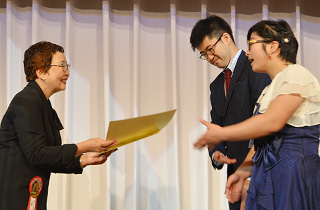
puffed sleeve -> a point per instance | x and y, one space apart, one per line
296 79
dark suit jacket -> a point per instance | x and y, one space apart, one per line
244 90
30 146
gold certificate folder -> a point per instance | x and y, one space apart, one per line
130 130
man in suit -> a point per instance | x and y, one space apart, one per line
235 90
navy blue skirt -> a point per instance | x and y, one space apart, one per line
286 174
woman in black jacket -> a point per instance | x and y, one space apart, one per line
30 142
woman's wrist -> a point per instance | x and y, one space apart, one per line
81 161
244 174
80 149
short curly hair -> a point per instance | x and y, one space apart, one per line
39 56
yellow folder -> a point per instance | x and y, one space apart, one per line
133 129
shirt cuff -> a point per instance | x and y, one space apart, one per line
216 164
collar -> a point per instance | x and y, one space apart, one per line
233 61
52 113
35 85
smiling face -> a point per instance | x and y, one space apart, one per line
257 53
55 79
220 54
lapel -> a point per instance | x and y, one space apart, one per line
235 77
219 99
49 112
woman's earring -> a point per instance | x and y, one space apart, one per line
43 79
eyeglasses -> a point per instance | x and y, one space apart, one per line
204 55
253 41
65 66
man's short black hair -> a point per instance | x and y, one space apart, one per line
213 26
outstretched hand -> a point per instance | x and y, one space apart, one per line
99 145
212 137
221 158
95 145
93 158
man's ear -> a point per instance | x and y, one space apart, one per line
227 38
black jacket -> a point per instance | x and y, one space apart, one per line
244 90
30 146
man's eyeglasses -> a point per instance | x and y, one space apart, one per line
65 66
204 55
253 41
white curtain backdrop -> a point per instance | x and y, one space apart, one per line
132 58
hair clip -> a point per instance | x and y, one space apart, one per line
285 40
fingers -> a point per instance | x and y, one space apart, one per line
110 152
225 159
100 145
233 197
211 137
206 123
243 204
210 147
243 201
200 143
103 157
106 155
221 158
230 181
234 188
100 159
111 142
